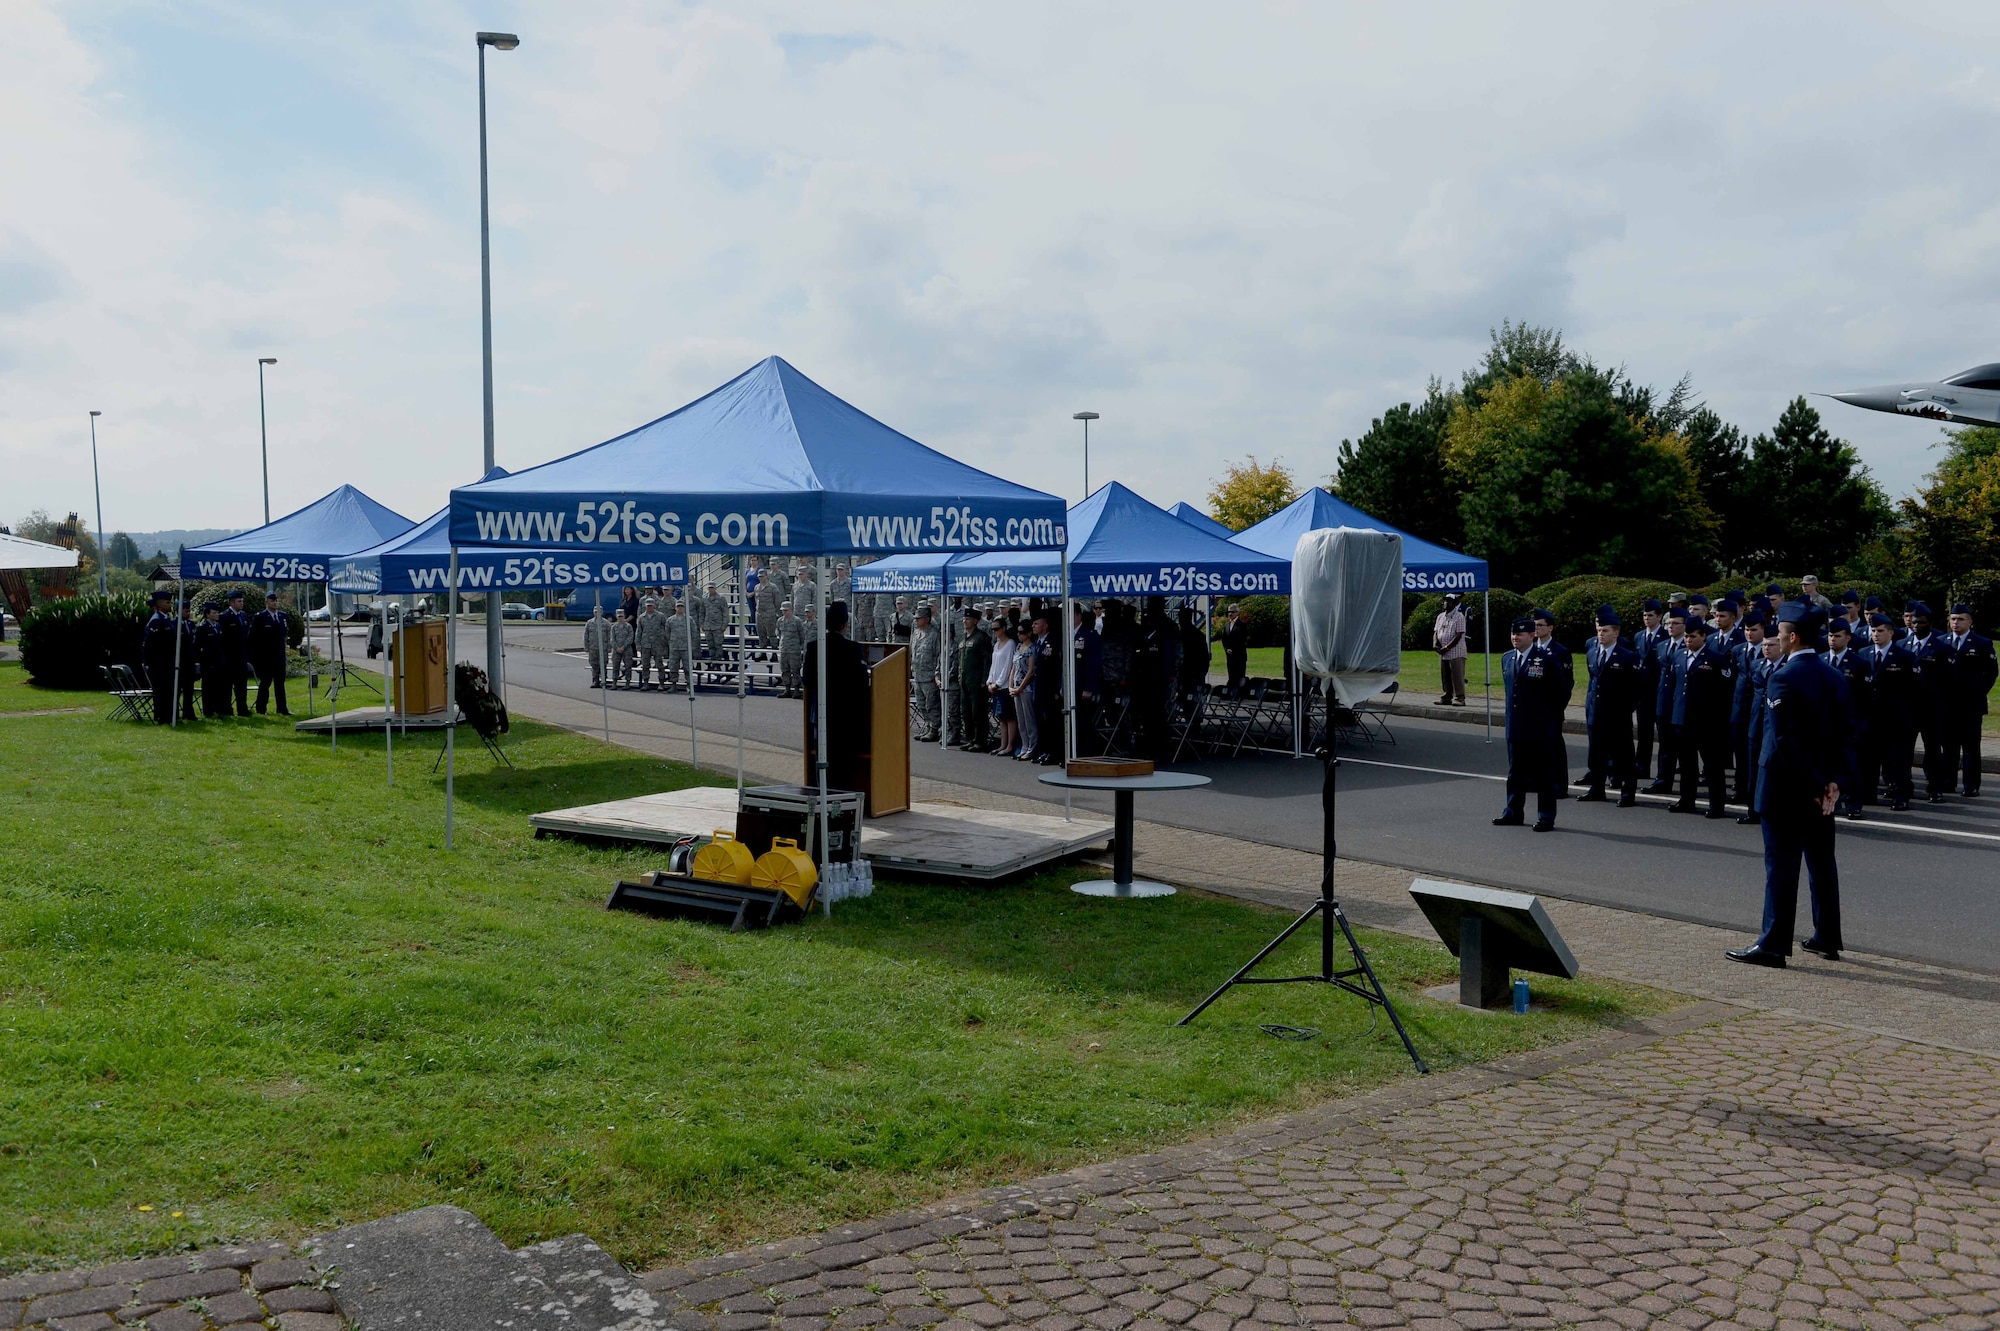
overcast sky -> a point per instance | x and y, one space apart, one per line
1229 228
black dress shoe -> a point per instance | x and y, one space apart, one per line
1934 799
1900 806
1854 815
1716 813
1660 788
1509 820
1818 948
1682 806
1627 800
1751 819
1591 797
1583 780
1545 824
1757 956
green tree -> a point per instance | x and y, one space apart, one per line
1395 470
1564 480
1720 457
1824 506
123 551
1522 349
1250 491
1954 520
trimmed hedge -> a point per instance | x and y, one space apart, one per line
1574 602
66 643
1506 606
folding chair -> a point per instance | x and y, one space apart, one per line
133 702
1371 718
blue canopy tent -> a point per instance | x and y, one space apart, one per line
1188 513
301 547
1426 567
769 463
1122 545
921 575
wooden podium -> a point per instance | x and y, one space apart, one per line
417 680
881 772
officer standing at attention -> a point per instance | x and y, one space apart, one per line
268 631
770 596
1704 686
1646 642
1747 656
1972 678
1728 633
975 662
677 635
1236 648
621 651
597 644
236 654
1616 681
156 654
1089 670
1666 651
1889 709
649 637
1853 671
1934 679
924 680
214 660
791 650
1537 686
1802 768
1760 666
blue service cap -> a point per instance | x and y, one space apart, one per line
1872 603
236 595
1879 622
1962 608
1739 595
1696 598
1802 613
1696 624
1755 617
161 594
1839 624
1731 604
1539 613
1522 625
1773 589
1653 604
1608 615
1916 608
1850 597
1677 612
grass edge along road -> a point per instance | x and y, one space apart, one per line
245 993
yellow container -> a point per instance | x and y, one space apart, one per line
724 860
786 868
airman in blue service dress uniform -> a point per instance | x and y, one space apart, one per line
1847 663
236 656
1704 684
1748 658
1665 650
1889 711
1538 683
1804 764
156 654
1974 669
1617 684
1645 642
1932 654
268 631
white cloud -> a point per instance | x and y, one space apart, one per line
1225 228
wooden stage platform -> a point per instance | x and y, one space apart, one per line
370 718
935 839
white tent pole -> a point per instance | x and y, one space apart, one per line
389 722
1068 649
333 666
603 627
694 749
947 664
742 683
174 707
819 710
1486 636
450 690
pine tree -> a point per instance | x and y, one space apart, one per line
1395 470
1821 503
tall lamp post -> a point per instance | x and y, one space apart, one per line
502 41
264 434
103 551
1086 417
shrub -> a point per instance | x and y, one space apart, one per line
66 643
217 594
1506 606
1574 602
1270 620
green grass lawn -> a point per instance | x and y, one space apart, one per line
245 992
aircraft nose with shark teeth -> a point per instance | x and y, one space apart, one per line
1968 398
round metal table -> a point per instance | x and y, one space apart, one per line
1121 883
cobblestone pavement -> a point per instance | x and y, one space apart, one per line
256 1285
1760 1171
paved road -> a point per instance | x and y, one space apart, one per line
1922 885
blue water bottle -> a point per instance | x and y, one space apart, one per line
1521 997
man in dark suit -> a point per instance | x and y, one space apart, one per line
1235 648
1889 710
1847 663
268 631
1972 677
1727 633
1932 653
1748 658
1766 662
213 658
235 627
156 654
1089 669
1665 651
1613 695
1537 684
849 704
1803 766
1704 685
1644 642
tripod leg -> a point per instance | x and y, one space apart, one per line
1251 964
1381 993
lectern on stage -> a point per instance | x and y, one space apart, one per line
868 727
1347 599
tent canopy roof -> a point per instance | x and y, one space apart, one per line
300 546
1199 518
1426 567
768 463
902 573
1121 544
18 552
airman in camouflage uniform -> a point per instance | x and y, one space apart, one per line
924 712
791 650
677 671
770 596
621 651
596 642
651 636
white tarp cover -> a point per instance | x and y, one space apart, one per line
19 552
1347 609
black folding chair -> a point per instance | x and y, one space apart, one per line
133 701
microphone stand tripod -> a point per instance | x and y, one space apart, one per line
1358 979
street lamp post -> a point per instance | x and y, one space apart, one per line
103 550
1086 417
503 41
264 434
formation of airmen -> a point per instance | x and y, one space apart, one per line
219 651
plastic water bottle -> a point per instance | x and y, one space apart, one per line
1521 997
